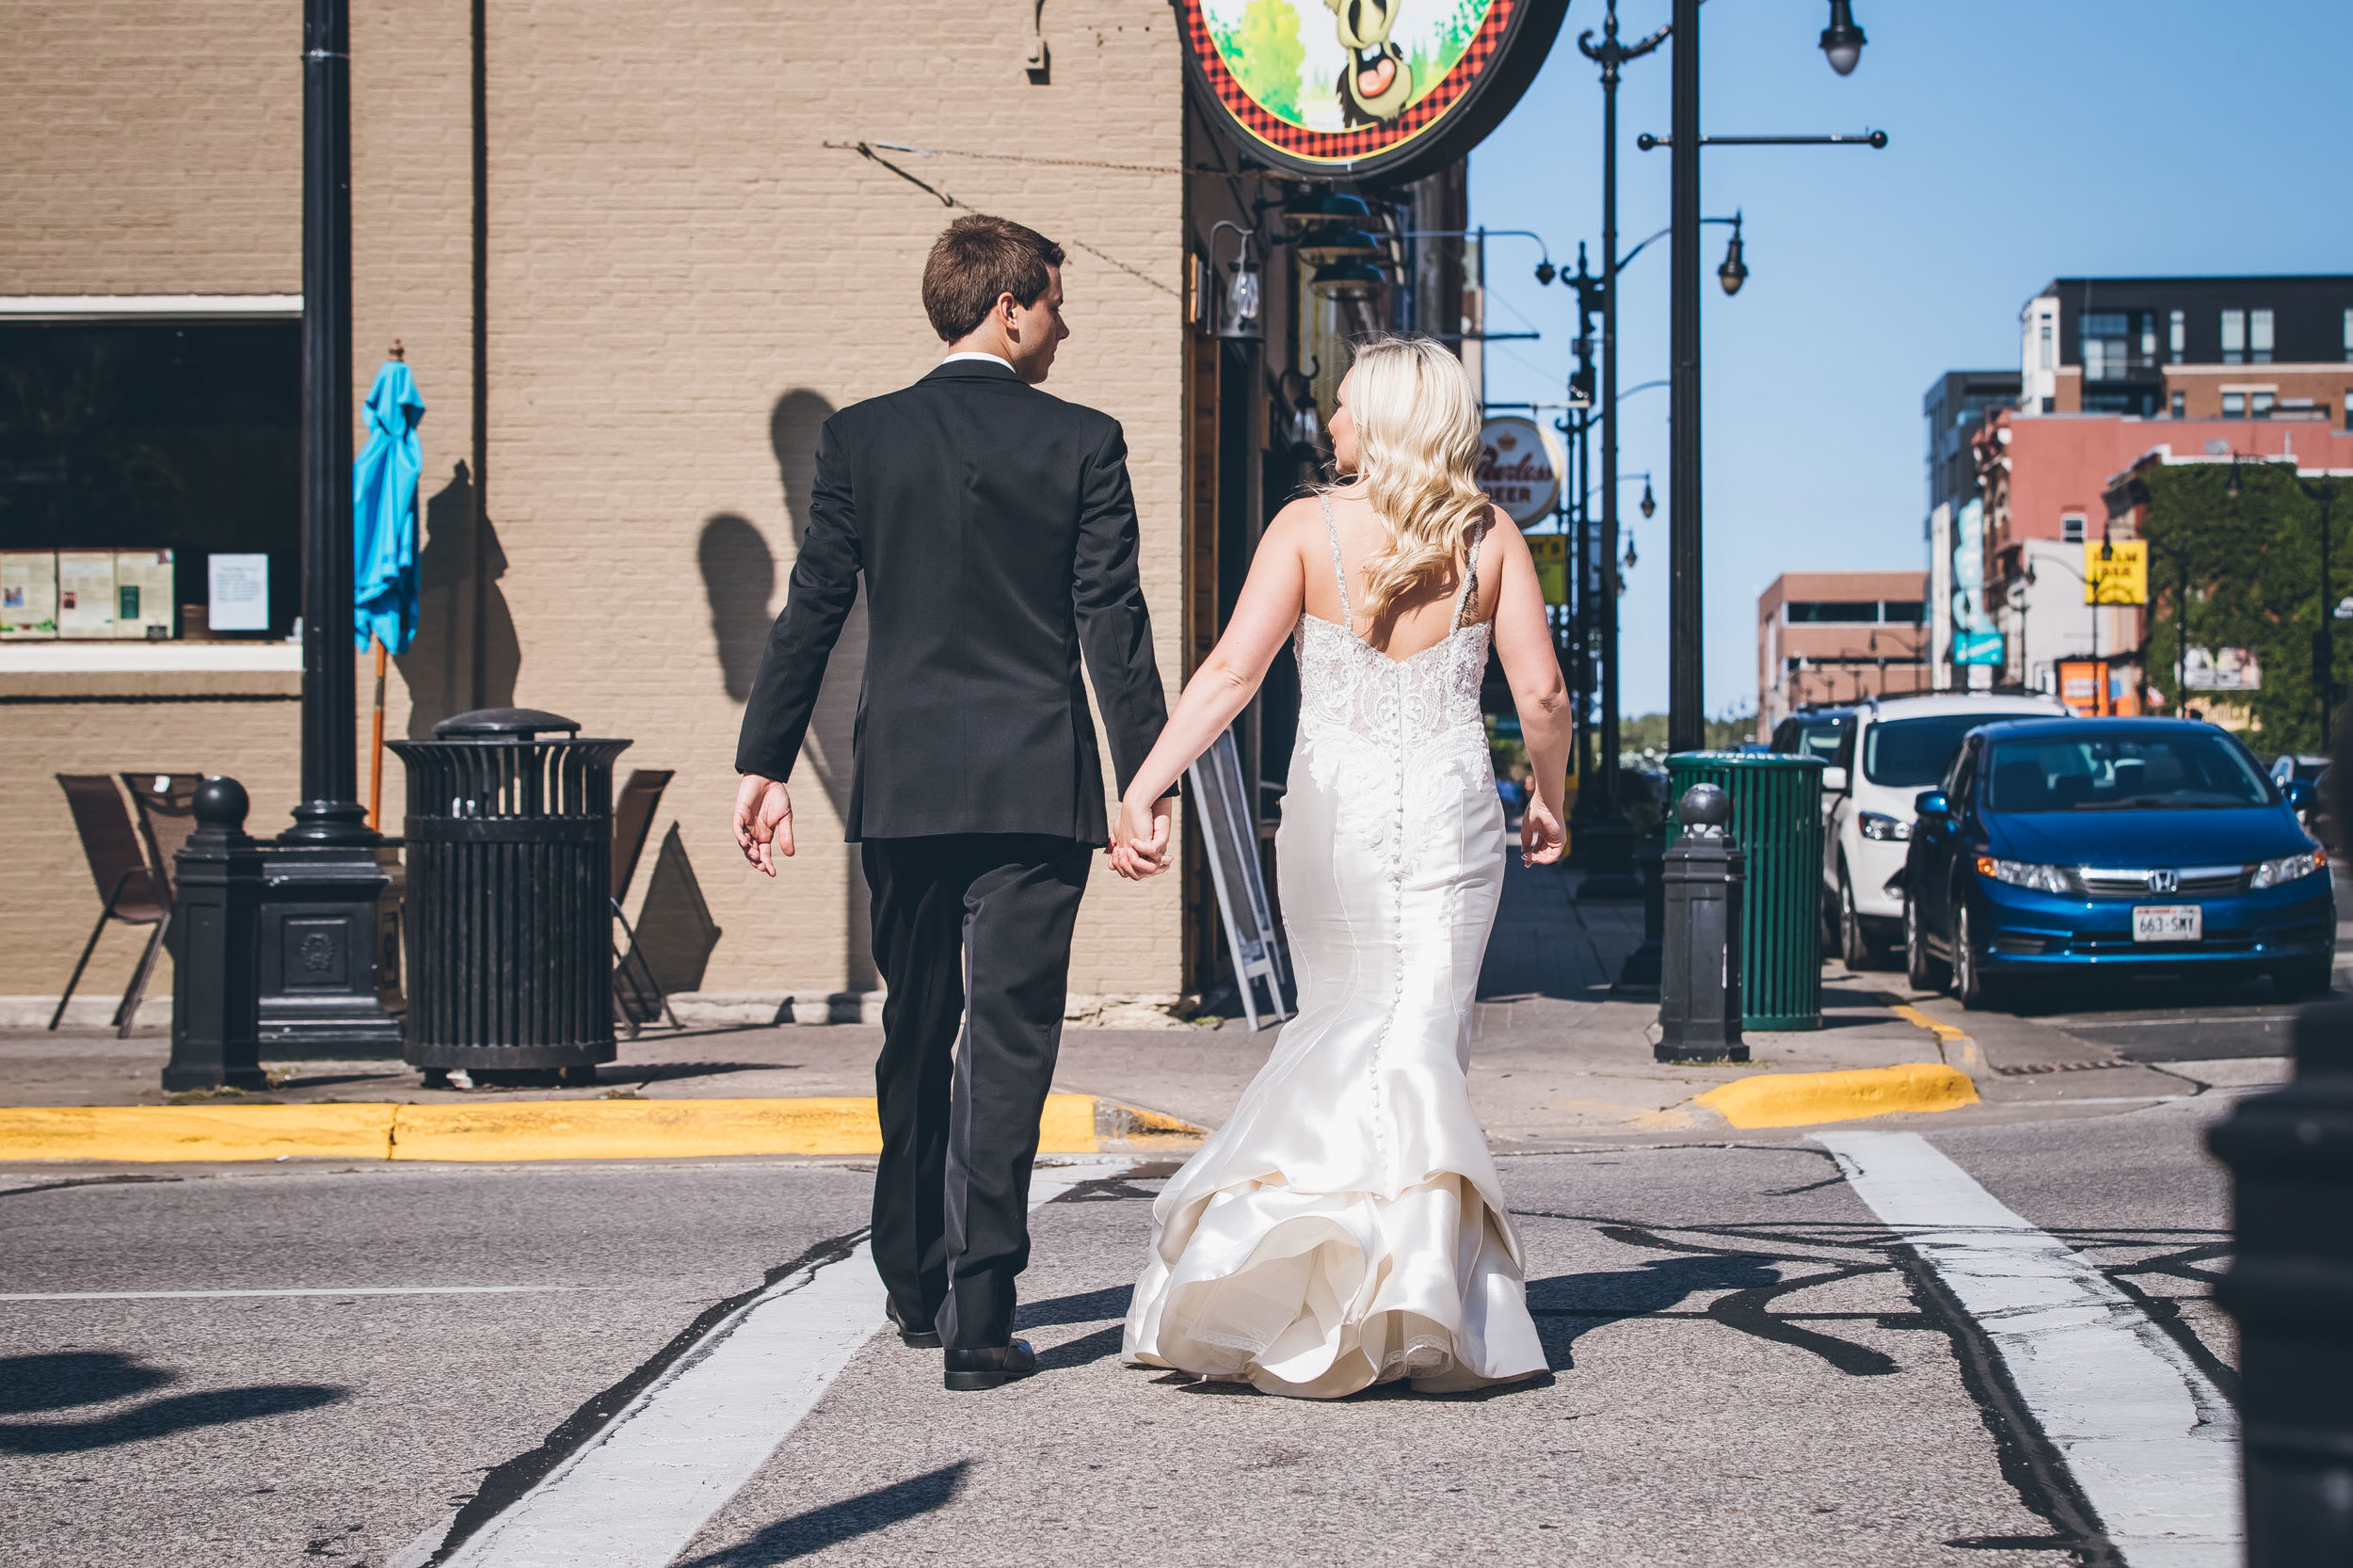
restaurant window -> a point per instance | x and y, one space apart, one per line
132 452
2234 336
2259 336
2177 335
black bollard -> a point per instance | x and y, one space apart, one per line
2291 1289
1699 1002
216 1040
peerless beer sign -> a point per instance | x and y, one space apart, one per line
1388 89
1519 468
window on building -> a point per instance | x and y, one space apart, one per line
2259 404
2233 404
2106 340
150 435
2072 528
2177 335
2047 343
2349 334
1904 612
2234 336
2348 408
2175 402
2050 405
2259 336
1836 611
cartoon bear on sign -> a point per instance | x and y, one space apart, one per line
1377 84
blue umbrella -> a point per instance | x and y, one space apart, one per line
384 512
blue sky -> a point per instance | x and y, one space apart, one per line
2028 141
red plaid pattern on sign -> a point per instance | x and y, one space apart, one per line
1363 141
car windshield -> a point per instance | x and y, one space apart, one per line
1818 738
2122 772
1906 754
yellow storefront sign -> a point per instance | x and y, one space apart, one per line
1551 552
2116 571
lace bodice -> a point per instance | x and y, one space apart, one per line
1347 683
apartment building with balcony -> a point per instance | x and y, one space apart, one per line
2190 347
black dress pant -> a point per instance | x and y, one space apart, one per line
970 929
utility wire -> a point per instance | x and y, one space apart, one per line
866 149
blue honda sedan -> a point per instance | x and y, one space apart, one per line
2059 844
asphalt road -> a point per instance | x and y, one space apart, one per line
1747 1365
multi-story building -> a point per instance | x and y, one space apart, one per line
1838 636
1956 405
2190 347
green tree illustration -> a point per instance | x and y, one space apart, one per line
1266 57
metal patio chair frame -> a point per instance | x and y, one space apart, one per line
132 890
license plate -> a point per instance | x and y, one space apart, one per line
2169 922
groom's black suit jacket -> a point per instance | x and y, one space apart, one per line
997 533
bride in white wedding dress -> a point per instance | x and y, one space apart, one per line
1345 1226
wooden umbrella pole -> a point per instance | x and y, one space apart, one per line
376 749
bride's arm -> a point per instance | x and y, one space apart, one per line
1523 643
1263 617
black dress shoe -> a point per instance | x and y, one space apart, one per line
990 1366
913 1339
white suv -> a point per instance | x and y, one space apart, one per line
1892 751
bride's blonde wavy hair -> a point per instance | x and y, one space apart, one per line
1417 421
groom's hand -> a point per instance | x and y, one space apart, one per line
763 821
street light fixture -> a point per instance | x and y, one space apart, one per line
1348 281
1735 271
1238 322
1842 41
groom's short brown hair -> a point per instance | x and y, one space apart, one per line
976 259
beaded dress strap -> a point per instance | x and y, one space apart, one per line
1340 572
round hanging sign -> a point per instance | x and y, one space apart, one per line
1519 468
1371 88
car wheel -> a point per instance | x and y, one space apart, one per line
1855 949
2305 978
1922 968
1971 987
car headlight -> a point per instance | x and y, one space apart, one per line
2288 868
2025 874
1876 825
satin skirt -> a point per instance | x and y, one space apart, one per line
1345 1226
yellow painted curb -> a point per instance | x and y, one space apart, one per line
1793 1100
525 1129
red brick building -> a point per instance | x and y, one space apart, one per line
1838 636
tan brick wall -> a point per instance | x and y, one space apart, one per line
150 149
683 282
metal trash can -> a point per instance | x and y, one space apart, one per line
1777 822
510 909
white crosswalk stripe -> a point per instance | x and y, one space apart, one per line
2151 1444
634 1493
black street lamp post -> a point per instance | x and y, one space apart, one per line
1842 46
328 980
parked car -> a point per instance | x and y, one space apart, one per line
1888 752
2297 768
1813 733
2065 844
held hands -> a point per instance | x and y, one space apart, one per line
1541 835
763 821
1139 846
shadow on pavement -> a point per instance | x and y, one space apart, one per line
819 1528
44 1383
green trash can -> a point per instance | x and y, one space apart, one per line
1777 820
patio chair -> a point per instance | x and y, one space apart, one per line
637 993
166 814
127 885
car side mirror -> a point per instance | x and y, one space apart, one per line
2297 793
1834 781
1931 803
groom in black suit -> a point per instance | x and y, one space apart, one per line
997 533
